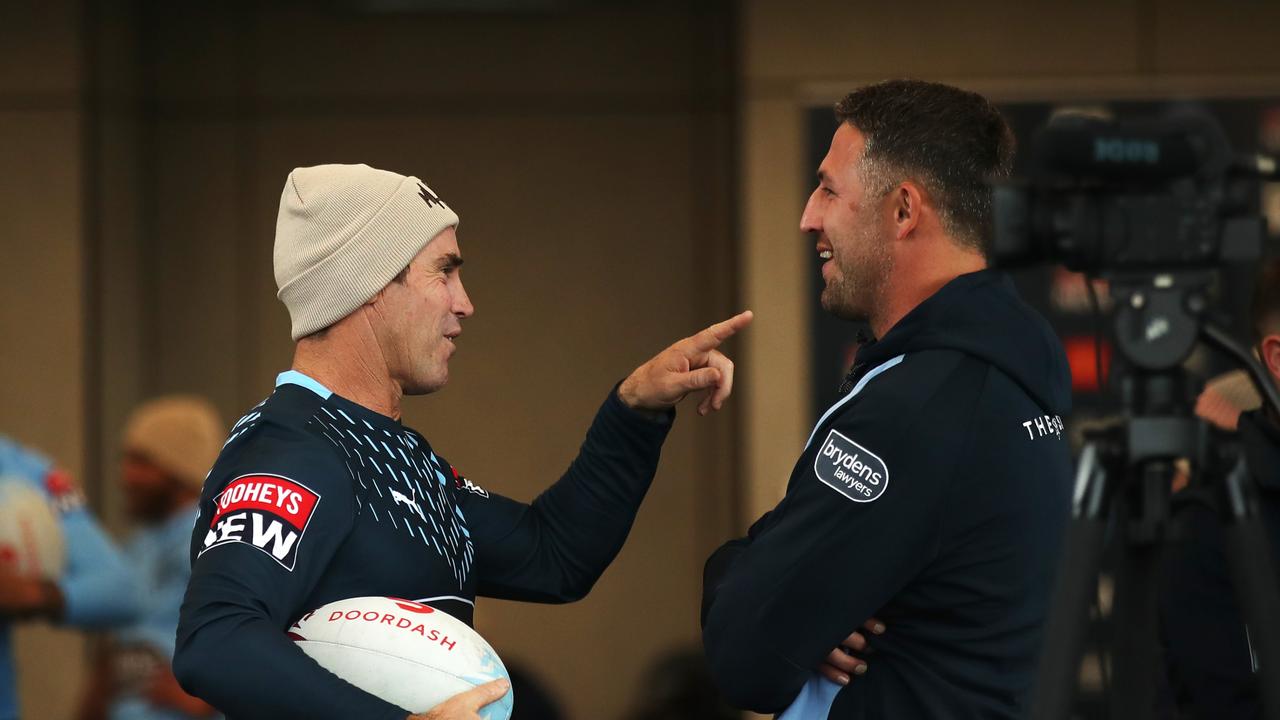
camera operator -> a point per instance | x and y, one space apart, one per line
1212 671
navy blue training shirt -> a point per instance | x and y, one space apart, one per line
315 499
933 496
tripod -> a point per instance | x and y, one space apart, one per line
1123 487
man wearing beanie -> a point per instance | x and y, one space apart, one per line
321 493
169 445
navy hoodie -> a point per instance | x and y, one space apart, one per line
932 495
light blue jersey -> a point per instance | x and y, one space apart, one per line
97 586
161 555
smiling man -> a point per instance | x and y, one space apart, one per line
928 503
321 493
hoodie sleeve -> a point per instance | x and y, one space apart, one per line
860 519
722 561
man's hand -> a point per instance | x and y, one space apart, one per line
690 365
163 690
841 664
466 706
24 597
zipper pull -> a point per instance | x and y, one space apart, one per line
847 384
862 338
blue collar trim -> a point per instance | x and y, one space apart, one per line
293 377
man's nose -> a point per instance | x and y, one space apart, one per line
462 306
811 218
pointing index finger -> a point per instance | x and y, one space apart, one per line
711 337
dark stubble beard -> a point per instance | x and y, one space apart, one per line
864 271
152 506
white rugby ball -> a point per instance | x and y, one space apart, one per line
409 654
30 536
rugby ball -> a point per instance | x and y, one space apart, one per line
31 540
409 654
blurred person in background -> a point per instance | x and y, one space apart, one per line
934 492
1225 397
1209 657
169 445
97 587
368 264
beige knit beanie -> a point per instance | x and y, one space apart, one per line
182 434
343 233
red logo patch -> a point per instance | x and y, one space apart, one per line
58 482
269 512
63 491
280 496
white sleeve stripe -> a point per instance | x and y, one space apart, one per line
427 601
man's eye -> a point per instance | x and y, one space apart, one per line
827 191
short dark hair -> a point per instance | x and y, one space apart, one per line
1265 308
952 141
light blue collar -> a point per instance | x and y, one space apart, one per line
293 377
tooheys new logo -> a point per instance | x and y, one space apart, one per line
269 512
852 470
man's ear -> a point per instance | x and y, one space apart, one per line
907 205
380 296
1270 351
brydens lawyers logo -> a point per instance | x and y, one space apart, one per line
852 470
269 512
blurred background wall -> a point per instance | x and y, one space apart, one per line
625 172
43 260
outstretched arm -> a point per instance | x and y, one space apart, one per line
554 549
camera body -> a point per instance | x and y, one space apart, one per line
1152 206
1145 196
